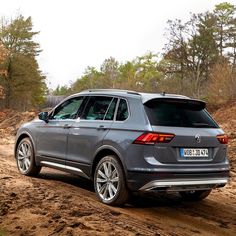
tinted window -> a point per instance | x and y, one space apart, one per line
111 110
122 112
96 108
178 114
68 109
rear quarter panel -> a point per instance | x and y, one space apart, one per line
123 133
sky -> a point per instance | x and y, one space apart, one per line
75 34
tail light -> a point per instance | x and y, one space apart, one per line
223 138
152 138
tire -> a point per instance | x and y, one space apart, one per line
195 195
25 158
109 182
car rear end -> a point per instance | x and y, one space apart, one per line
184 151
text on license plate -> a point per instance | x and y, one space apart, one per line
193 152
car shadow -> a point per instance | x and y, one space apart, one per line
67 178
154 199
136 200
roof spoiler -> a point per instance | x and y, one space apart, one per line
192 103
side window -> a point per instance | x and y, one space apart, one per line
68 109
96 108
122 112
111 110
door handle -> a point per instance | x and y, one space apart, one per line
67 126
101 127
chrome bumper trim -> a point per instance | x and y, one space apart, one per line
184 183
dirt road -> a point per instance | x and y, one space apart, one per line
56 203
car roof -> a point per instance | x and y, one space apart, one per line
149 96
129 93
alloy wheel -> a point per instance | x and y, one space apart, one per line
107 180
24 156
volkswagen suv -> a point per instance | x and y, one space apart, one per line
126 141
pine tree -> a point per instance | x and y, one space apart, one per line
22 81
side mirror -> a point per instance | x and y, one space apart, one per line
43 116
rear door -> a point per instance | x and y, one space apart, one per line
195 139
88 131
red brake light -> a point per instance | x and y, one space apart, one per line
223 138
152 138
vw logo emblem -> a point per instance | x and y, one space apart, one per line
198 138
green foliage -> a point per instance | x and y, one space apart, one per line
147 74
193 52
141 74
194 47
190 51
61 90
110 72
225 23
23 83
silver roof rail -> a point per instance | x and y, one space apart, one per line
112 90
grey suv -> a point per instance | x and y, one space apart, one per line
127 141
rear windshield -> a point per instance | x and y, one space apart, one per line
178 114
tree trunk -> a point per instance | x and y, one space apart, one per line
8 85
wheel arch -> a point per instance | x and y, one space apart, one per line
105 151
22 136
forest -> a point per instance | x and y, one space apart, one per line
197 60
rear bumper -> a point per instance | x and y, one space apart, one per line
184 184
146 181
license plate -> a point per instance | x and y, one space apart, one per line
194 152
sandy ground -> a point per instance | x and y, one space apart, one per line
57 203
